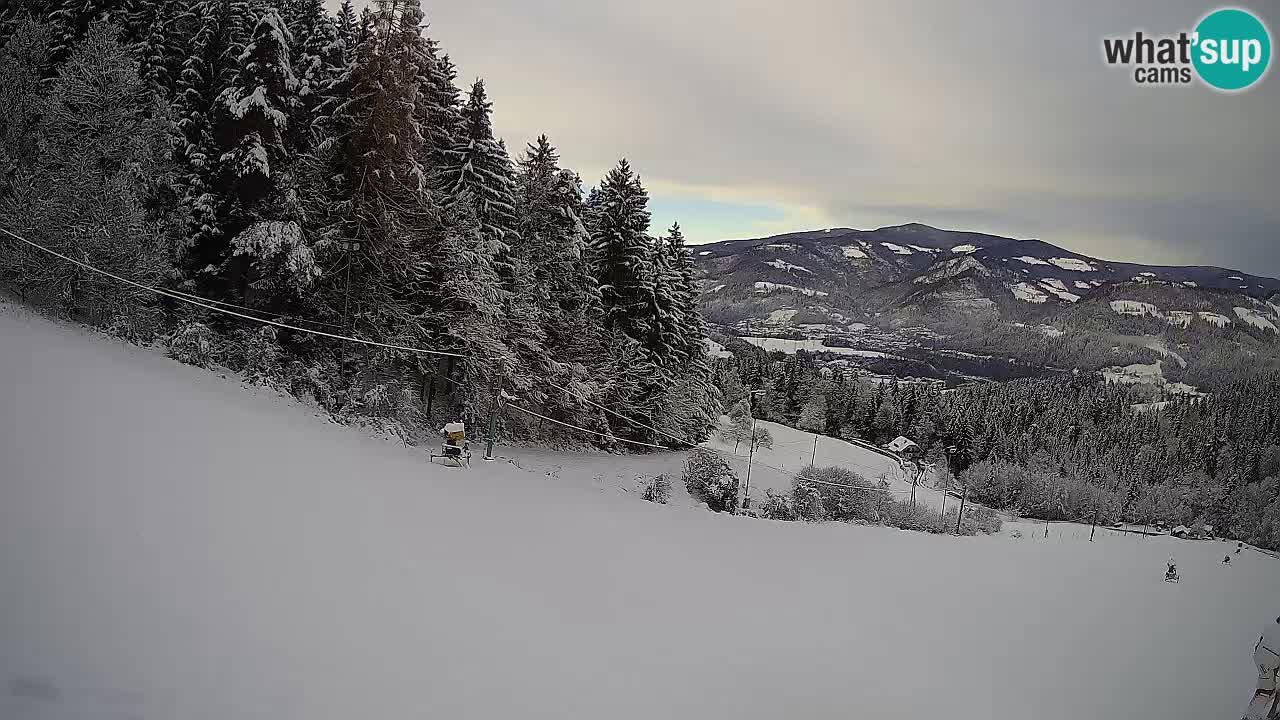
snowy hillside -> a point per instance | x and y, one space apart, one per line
174 545
773 468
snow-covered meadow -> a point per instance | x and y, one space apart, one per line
174 545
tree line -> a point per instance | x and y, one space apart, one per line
327 171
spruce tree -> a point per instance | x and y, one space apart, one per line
318 56
479 170
621 253
222 28
439 110
261 213
87 191
666 340
367 194
160 46
70 20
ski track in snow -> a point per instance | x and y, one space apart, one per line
174 545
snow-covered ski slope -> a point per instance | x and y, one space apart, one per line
173 545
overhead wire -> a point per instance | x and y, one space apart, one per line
214 308
226 309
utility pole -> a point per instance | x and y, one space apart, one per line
944 497
751 448
814 458
750 456
1096 514
963 500
914 479
493 420
350 247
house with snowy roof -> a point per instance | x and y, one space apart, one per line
903 446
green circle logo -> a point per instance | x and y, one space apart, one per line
1232 49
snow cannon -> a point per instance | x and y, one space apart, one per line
456 433
454 449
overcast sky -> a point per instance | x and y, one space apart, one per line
753 117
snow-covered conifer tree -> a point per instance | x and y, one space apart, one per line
85 195
221 29
348 28
478 168
367 193
261 211
622 253
440 110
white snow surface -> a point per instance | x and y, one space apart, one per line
784 265
1028 293
1135 374
1181 318
716 350
1256 319
791 347
1082 285
1134 307
1215 319
1059 288
768 287
704 253
173 545
1073 264
1030 260
965 249
1048 331
897 249
853 251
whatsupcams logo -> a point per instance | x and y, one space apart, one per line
1229 50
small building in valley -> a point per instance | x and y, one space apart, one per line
904 447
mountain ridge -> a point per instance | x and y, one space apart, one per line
877 290
921 232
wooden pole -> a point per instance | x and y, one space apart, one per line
1096 514
963 499
346 328
493 421
944 497
814 458
751 453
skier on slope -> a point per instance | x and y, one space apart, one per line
1266 655
1172 572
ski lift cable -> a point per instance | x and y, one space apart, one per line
266 313
206 305
683 442
582 429
202 302
212 305
561 422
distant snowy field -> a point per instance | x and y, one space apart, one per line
173 545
